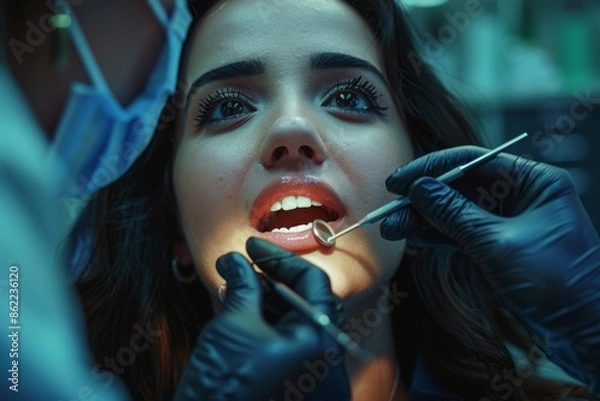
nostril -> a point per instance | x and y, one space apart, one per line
307 151
280 152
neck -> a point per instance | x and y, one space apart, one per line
369 324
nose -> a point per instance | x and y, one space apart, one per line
292 141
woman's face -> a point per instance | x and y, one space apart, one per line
288 119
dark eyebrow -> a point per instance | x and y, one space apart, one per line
324 61
238 69
253 67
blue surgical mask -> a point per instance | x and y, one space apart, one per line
98 139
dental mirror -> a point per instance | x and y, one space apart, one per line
323 232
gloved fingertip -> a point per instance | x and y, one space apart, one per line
389 182
255 245
261 244
401 224
259 250
228 265
393 184
389 230
223 265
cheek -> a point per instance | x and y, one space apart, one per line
373 160
380 161
206 181
196 177
367 158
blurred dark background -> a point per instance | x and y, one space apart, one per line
525 65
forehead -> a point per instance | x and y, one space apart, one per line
282 33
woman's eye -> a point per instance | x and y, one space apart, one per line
222 107
347 100
230 109
355 97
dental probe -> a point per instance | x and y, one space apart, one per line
319 318
402 201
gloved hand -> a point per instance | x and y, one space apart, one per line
523 223
239 356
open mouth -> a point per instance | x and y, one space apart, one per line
295 214
284 211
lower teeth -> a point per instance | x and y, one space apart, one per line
295 229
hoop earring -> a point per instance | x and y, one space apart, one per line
182 277
221 292
61 21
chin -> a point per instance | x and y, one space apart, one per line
359 269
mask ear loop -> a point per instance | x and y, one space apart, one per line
61 22
85 53
159 11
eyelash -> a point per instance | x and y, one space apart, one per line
208 105
356 85
363 88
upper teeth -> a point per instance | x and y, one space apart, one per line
294 202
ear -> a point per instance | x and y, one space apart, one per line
181 252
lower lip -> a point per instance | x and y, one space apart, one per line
303 241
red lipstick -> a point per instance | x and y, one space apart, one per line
285 209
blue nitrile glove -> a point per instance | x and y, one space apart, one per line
524 224
239 356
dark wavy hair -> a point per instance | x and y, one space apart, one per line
452 316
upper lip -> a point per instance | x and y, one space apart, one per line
310 187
